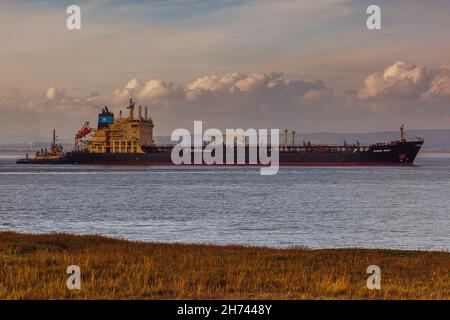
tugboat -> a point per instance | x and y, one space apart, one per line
44 156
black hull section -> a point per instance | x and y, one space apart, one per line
399 153
62 160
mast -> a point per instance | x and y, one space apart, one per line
285 138
402 133
131 108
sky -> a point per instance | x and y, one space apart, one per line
308 65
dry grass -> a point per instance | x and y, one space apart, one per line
34 267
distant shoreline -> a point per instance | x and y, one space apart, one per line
34 267
425 150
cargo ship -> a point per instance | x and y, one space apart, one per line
129 141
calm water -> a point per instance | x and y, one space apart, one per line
387 207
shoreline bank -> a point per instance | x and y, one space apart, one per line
33 266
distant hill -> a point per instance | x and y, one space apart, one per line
435 139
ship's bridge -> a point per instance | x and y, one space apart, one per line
122 135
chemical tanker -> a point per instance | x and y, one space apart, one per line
129 141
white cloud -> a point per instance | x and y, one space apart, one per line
150 91
214 82
400 80
439 87
57 101
251 82
155 89
50 93
229 87
257 84
132 84
408 82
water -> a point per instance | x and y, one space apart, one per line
317 207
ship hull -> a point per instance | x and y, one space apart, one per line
62 160
397 154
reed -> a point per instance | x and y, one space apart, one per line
34 267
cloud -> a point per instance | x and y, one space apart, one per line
214 83
220 93
237 99
223 100
400 80
406 81
439 86
24 116
55 99
50 93
237 90
254 84
150 91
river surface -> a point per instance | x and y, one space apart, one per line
316 207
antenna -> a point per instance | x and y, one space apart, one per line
402 133
131 108
285 138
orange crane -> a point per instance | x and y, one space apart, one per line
84 131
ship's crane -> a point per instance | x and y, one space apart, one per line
83 132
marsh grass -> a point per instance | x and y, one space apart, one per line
34 267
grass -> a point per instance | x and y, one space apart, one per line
34 267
